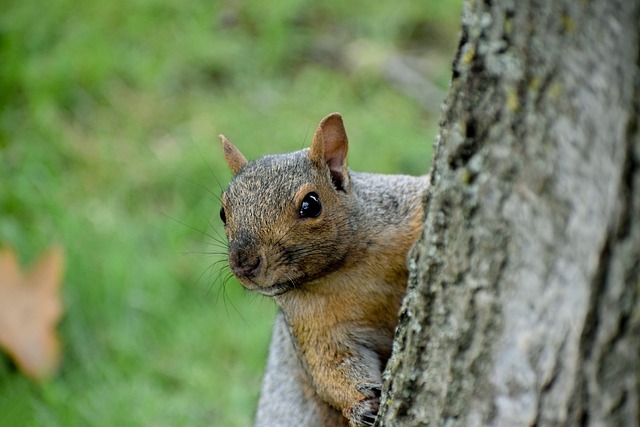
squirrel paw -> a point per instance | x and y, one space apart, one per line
370 389
364 412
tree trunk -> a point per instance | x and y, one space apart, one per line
523 305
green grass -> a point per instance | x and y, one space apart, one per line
109 113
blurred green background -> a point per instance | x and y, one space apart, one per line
109 113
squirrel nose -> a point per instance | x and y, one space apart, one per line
245 265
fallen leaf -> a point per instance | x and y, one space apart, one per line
30 308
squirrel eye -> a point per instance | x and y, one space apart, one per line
310 206
223 216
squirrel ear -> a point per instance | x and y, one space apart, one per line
232 155
329 147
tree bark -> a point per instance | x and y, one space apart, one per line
523 305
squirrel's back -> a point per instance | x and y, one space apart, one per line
390 200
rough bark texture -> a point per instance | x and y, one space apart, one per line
524 298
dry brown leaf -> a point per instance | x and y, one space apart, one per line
30 308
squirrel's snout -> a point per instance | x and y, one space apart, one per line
245 265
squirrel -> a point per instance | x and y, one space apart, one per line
329 245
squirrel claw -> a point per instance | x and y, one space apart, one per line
370 390
364 412
368 419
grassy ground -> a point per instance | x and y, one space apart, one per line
109 113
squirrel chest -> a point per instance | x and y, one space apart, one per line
330 246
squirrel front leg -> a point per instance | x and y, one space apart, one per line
288 398
346 371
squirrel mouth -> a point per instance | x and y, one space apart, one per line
273 290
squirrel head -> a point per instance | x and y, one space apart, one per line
287 216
